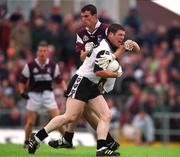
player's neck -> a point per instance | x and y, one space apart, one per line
42 61
93 27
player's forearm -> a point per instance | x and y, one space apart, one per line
21 88
63 85
106 74
119 52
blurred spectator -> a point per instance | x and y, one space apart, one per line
56 15
11 116
114 126
38 32
36 13
16 15
173 32
3 10
141 131
127 80
175 65
132 20
21 37
104 18
4 34
55 35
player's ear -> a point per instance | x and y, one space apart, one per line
110 34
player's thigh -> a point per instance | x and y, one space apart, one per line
74 108
100 107
89 114
31 117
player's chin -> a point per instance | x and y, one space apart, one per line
119 44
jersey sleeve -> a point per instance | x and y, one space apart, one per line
57 74
96 66
25 74
79 44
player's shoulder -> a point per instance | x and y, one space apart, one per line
31 63
81 31
104 26
52 63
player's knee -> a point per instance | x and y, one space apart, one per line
73 118
70 118
107 116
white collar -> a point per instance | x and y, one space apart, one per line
42 65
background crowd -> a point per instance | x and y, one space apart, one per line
151 77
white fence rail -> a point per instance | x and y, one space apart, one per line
165 129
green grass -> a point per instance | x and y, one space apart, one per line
12 150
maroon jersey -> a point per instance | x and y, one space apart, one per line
40 77
84 36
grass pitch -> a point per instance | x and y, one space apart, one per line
13 150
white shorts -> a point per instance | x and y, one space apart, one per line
38 101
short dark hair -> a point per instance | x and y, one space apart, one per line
114 28
43 43
90 8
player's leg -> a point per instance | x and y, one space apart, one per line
50 103
100 107
29 123
53 113
60 143
74 109
93 120
33 105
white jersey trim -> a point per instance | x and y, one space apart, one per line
79 40
26 71
57 71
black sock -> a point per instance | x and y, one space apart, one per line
109 138
42 134
101 143
68 136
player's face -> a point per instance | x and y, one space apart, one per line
88 19
42 53
117 38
